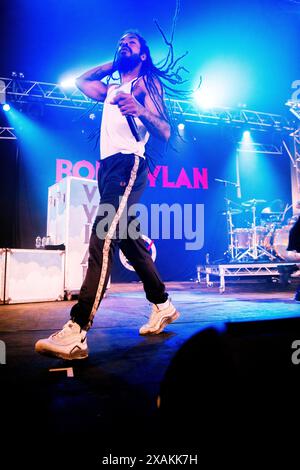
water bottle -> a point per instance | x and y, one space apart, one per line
38 242
44 240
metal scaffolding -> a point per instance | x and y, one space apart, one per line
7 133
256 147
239 270
240 117
295 169
51 94
293 152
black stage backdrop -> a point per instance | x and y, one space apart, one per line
186 175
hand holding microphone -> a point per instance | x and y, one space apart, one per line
129 108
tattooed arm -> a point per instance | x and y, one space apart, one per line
152 120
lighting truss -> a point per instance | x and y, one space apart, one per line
295 167
7 133
51 94
189 111
294 107
255 147
294 155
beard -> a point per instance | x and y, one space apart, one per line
126 63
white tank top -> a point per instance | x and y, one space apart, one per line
115 133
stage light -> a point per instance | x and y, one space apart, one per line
6 107
92 116
246 143
246 135
210 96
69 82
205 98
17 75
181 126
225 83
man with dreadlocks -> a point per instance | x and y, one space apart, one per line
122 178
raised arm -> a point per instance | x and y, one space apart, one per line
90 82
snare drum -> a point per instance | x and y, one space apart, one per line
241 238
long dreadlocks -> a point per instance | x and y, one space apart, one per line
164 77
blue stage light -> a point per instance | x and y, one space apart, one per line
181 126
6 107
69 82
246 135
205 97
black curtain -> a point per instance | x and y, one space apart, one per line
9 191
20 215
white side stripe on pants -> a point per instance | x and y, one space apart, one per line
108 238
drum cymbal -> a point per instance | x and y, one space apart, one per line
232 212
253 202
267 214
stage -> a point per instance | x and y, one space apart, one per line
112 397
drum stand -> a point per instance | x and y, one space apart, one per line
255 250
230 226
229 212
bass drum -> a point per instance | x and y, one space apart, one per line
280 243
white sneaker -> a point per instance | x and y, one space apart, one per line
68 343
162 315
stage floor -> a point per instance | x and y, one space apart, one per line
115 390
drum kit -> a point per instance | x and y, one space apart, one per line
265 241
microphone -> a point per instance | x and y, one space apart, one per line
133 127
